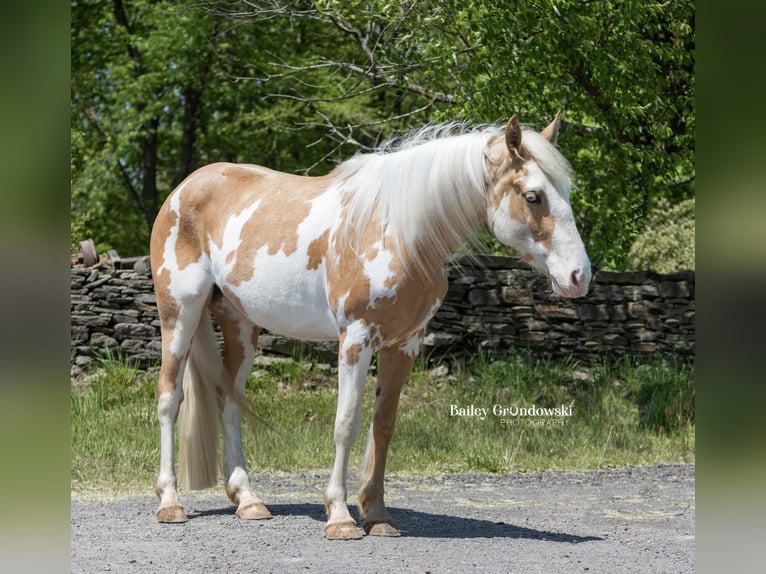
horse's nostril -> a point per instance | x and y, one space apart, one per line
576 276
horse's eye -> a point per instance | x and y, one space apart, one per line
532 197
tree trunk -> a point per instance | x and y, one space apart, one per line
192 100
149 197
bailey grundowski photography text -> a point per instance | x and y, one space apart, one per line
514 415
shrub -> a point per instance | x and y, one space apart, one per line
667 242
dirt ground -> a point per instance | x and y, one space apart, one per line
622 520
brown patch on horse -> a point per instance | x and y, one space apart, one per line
418 296
317 250
506 168
513 133
537 216
188 248
166 381
220 191
284 204
167 306
353 352
225 315
213 196
394 318
503 168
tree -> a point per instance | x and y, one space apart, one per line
312 82
623 71
136 84
155 94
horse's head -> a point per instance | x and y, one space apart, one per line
528 207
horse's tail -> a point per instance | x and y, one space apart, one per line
198 415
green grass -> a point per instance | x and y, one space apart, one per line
623 414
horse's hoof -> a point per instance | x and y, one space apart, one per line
172 514
381 529
254 511
343 531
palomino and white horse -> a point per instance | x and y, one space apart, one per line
356 255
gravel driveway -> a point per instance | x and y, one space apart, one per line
625 520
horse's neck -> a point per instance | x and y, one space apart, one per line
428 256
432 197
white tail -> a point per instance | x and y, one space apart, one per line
198 415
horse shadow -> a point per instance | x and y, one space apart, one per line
417 524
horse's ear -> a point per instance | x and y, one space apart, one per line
551 131
513 133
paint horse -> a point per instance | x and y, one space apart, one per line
356 255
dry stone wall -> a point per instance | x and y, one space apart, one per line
113 311
494 304
499 303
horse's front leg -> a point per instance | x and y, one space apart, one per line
355 353
393 369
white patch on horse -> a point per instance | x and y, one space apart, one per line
358 332
340 314
232 237
411 347
505 228
188 283
535 180
305 313
378 270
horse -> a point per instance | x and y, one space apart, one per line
356 255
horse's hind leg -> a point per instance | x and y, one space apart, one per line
179 321
393 369
240 336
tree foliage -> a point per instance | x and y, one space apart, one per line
161 87
667 242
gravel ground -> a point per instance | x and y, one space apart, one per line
625 520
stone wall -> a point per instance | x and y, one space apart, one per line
494 304
498 303
114 310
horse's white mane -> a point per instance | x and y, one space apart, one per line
429 186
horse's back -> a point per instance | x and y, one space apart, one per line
263 236
224 203
213 194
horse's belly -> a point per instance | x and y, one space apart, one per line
285 298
